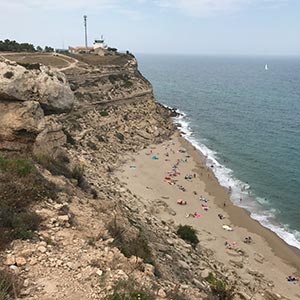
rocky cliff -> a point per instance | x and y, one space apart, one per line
95 239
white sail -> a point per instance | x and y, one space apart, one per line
266 67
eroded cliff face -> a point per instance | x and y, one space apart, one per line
35 100
107 83
27 94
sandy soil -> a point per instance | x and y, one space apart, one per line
267 254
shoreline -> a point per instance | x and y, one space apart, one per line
279 230
240 216
267 256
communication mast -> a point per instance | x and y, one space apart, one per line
85 30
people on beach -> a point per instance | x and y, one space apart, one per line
293 278
248 240
181 202
221 217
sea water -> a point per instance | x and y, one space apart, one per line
247 121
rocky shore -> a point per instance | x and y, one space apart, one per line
76 120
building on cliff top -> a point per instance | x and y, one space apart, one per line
99 48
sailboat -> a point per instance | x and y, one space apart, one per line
266 67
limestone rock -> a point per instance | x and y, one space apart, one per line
183 264
10 260
42 249
205 273
43 84
20 261
20 123
161 294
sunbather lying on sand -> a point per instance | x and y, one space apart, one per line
293 278
181 202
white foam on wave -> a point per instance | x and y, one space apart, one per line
239 189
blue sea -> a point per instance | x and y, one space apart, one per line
247 121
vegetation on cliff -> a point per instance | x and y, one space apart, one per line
13 46
21 186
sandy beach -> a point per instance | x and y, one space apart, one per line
221 226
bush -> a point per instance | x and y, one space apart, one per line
103 113
18 166
128 84
188 234
113 78
29 66
130 290
134 246
120 137
9 286
219 288
21 186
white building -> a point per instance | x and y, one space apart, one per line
99 47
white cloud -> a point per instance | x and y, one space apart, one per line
58 4
215 7
190 7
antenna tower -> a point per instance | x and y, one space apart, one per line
85 30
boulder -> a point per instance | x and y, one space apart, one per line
161 294
20 261
20 123
205 273
183 264
10 260
35 83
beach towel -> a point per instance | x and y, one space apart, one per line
227 228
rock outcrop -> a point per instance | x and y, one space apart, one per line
27 94
35 83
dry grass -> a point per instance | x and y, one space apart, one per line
9 286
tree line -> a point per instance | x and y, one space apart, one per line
13 46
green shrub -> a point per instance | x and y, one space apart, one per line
18 166
130 290
128 83
113 78
134 246
219 288
103 113
21 185
188 234
120 137
59 166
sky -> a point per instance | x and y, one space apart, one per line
209 27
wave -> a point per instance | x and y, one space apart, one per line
255 205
